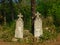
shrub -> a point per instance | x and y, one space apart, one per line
47 35
58 29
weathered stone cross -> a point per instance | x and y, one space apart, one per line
37 14
20 15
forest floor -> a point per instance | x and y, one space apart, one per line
52 42
57 42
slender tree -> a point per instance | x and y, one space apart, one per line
33 5
3 11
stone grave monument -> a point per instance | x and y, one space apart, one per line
19 27
38 31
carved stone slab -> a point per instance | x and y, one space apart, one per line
38 26
19 27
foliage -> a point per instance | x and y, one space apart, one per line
26 11
48 36
50 8
58 29
7 32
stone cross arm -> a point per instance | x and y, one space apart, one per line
20 15
37 14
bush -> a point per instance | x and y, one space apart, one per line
47 35
8 32
58 29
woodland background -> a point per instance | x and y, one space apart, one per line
49 9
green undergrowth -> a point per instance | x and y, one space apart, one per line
7 31
47 35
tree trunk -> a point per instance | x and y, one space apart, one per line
3 11
4 18
33 5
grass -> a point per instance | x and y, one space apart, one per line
7 33
48 36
